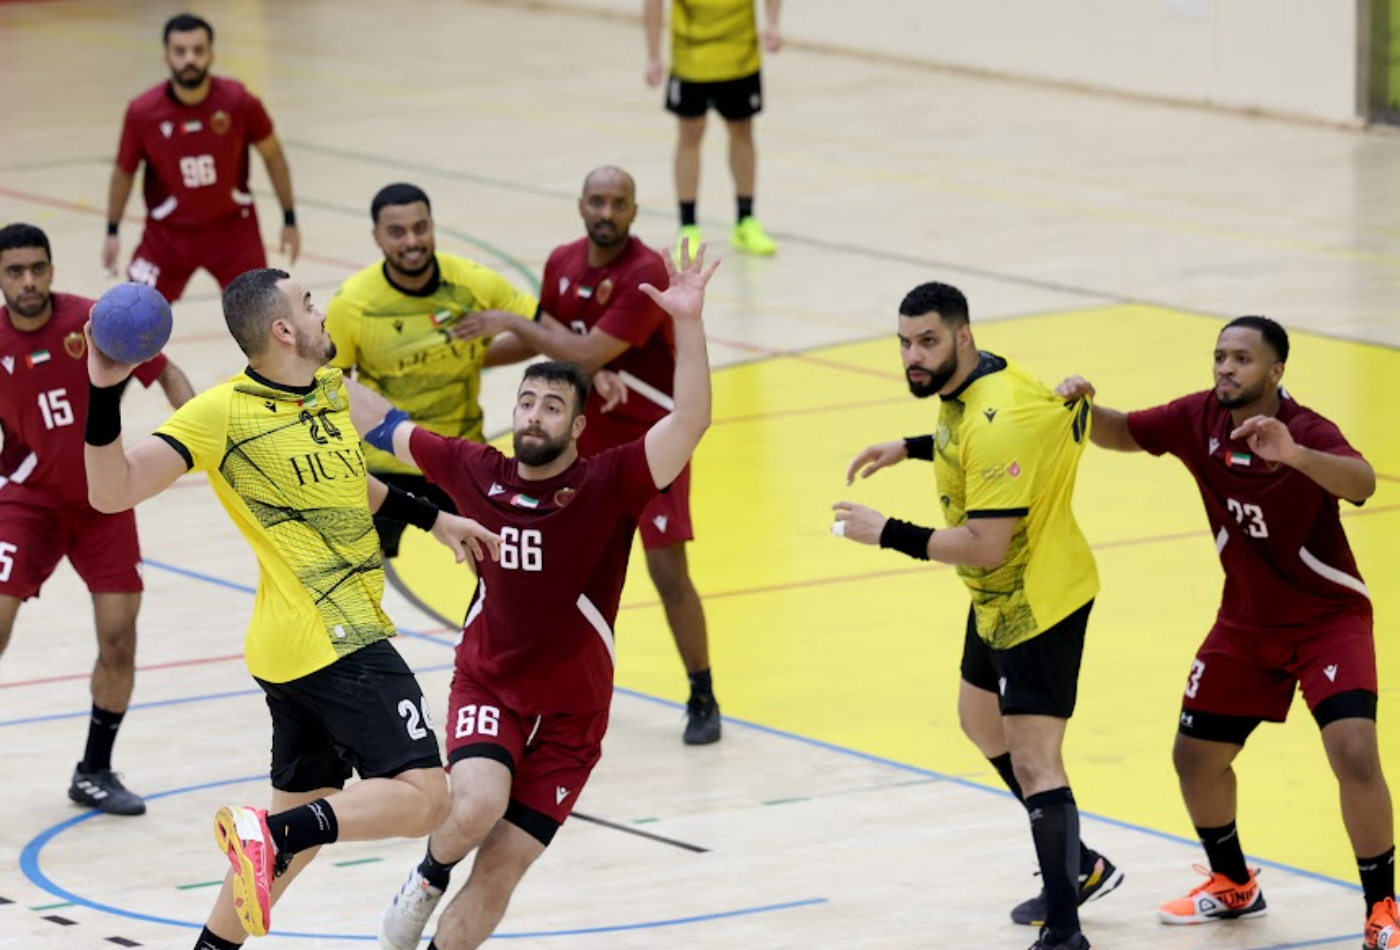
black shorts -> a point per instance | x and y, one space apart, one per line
364 713
734 99
1037 678
391 531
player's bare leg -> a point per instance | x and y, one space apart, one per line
223 922
94 783
1354 753
1207 776
979 714
670 572
690 133
9 609
480 794
474 914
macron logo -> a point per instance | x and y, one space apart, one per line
1002 683
1331 672
494 490
660 521
560 793
1214 444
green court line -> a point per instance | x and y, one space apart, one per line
53 906
43 165
346 864
645 821
190 887
787 801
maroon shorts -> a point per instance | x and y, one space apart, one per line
1255 677
550 756
666 519
168 256
102 548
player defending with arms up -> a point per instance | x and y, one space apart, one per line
1294 611
534 675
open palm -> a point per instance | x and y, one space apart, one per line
684 298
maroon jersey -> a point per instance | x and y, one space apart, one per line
539 629
196 156
584 297
43 406
1288 568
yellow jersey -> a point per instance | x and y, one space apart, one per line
713 40
400 346
286 464
1008 446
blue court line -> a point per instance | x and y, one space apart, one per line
29 864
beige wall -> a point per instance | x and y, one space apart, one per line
1292 57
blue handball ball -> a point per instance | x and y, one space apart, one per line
131 323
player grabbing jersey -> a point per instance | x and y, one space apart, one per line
44 510
283 458
1006 455
395 325
534 671
1294 611
595 315
193 133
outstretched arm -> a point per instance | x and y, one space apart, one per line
546 335
379 423
671 442
281 174
1110 428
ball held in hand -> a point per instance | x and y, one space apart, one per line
131 323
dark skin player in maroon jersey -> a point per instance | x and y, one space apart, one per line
1294 610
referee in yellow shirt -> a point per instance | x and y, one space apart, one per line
714 63
393 323
1005 457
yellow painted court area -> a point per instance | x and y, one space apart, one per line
859 647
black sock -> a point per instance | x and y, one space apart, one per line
208 940
1055 829
306 826
1224 853
1377 877
432 945
102 735
745 207
1088 857
701 689
435 872
687 214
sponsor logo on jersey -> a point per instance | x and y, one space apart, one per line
36 358
521 500
1014 470
220 122
75 345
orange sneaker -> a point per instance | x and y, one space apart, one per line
1383 928
243 837
1217 899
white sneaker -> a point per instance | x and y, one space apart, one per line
401 926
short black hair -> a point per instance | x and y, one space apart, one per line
251 302
570 373
15 236
399 193
1274 334
943 299
184 22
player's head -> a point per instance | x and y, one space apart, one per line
268 312
1250 354
189 49
608 205
26 270
549 411
934 333
403 228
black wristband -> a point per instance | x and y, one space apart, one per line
906 538
400 505
112 228
104 417
919 447
289 217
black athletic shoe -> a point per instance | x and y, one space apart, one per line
1076 942
104 791
1097 883
702 721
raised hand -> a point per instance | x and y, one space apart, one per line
1075 387
684 298
464 535
876 457
610 388
481 324
1268 438
103 371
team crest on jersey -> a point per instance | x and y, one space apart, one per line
166 128
75 345
220 122
563 496
605 290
